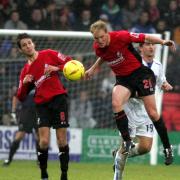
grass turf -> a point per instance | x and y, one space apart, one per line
28 170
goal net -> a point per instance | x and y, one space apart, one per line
90 101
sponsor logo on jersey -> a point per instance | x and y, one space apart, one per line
118 60
42 78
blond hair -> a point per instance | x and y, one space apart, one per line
98 25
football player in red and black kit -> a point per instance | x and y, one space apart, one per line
41 71
116 49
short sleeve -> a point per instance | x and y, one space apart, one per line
129 37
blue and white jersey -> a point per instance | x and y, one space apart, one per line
134 108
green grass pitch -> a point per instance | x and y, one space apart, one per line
28 170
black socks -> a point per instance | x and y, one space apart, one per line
64 158
122 125
42 158
162 132
13 149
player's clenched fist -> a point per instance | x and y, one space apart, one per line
170 43
28 79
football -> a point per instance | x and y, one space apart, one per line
73 70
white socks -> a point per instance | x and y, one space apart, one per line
119 162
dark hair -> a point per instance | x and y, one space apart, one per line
22 36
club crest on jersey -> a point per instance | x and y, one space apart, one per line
136 35
45 66
119 57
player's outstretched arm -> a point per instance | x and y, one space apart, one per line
156 40
89 73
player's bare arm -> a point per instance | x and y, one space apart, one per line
156 40
28 79
89 73
166 86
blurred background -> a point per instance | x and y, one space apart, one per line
90 102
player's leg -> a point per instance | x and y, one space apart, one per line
143 146
120 96
44 134
60 123
61 134
14 147
36 134
34 128
43 123
120 159
150 105
143 133
145 83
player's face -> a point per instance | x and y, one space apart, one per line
102 38
27 47
148 50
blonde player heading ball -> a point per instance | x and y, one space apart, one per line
140 125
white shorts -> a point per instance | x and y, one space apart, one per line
139 122
146 129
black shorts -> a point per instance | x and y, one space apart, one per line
142 81
27 119
53 113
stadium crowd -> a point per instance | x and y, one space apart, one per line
147 16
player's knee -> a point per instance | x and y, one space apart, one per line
44 143
145 149
116 105
62 142
153 115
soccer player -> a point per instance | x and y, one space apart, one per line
140 125
42 70
117 50
26 119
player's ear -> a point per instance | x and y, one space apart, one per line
140 48
20 50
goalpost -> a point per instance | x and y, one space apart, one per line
79 46
162 56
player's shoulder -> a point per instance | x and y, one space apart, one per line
119 33
46 51
25 67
